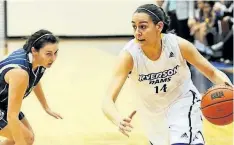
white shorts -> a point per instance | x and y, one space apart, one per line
181 123
185 120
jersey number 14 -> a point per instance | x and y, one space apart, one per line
164 88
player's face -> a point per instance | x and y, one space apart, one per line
145 31
47 55
200 4
206 8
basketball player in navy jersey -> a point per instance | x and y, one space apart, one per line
20 73
167 101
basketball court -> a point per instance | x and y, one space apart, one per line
75 86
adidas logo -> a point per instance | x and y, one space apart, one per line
1 114
42 70
129 73
195 138
171 54
184 135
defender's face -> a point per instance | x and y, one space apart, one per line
46 55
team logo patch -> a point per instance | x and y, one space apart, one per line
171 55
184 135
195 138
42 70
1 114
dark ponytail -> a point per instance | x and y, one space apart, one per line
166 22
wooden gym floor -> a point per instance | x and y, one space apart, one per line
75 86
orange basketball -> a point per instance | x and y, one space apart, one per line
217 105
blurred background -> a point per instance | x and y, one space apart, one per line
92 33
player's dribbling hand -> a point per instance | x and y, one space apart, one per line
54 114
125 125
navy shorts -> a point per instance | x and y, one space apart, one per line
3 117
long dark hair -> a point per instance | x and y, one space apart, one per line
156 13
39 39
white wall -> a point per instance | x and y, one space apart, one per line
72 17
1 29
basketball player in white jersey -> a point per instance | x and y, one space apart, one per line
167 100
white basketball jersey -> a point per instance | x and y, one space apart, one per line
158 83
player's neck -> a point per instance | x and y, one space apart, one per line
153 51
35 64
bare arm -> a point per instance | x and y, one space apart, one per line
40 96
124 66
18 82
190 53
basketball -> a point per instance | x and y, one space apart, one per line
217 105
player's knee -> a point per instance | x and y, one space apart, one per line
30 139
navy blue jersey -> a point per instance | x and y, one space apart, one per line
18 59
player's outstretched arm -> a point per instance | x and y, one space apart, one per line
120 74
41 97
191 54
18 81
